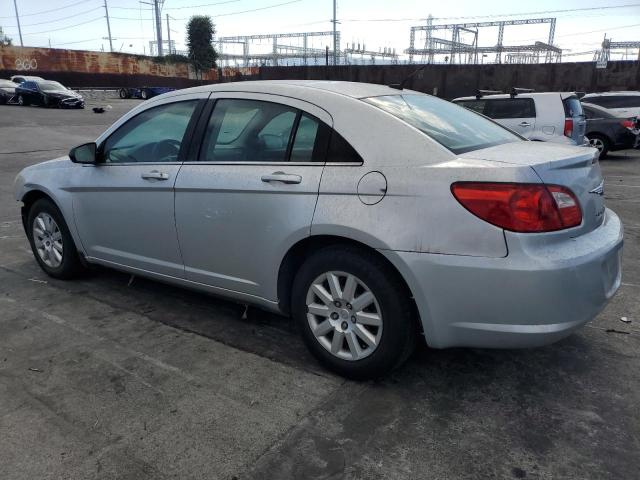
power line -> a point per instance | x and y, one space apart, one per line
501 15
203 5
67 27
52 10
61 19
250 10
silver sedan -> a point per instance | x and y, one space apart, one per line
372 215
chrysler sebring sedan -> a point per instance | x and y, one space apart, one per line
373 216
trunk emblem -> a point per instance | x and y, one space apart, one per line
599 190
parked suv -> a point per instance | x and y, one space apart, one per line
623 104
548 116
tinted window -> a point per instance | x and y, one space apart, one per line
475 105
595 113
615 101
341 151
510 108
454 127
572 107
307 141
28 85
258 131
154 135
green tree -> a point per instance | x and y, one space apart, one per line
200 32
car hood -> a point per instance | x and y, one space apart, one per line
64 94
60 162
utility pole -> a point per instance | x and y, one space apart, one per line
168 34
106 11
156 5
335 35
15 5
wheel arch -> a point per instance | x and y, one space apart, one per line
31 197
301 250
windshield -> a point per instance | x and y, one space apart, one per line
51 87
456 128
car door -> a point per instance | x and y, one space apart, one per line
517 114
29 92
123 206
251 193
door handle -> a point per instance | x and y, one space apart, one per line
155 175
524 124
281 177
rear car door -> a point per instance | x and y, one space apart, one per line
251 192
124 206
517 114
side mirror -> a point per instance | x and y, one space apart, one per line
84 153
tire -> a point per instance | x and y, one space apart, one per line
389 344
144 94
22 101
65 266
124 93
600 142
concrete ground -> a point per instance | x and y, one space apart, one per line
103 379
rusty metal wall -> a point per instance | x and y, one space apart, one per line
99 69
450 81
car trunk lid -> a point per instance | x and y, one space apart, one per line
574 167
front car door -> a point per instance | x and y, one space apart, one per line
517 114
123 206
252 192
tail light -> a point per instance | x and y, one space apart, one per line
520 207
630 124
568 127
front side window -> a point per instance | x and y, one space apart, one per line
503 108
454 127
154 135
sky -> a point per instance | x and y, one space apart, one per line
81 24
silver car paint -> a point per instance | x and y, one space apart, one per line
441 250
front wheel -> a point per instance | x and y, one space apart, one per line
124 93
51 242
144 94
354 313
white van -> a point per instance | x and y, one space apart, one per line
547 116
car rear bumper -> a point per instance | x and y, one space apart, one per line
527 299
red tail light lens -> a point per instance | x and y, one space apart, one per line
520 207
628 124
568 127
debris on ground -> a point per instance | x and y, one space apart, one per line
625 320
35 369
37 280
613 330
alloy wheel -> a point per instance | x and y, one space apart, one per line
344 315
47 238
596 143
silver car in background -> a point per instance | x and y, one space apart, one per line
373 216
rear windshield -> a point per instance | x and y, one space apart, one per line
456 128
572 107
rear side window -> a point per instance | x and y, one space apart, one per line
572 107
503 108
454 127
475 105
28 85
242 130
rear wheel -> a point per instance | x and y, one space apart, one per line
601 143
144 94
51 242
124 93
353 312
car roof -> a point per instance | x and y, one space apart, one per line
520 95
609 94
285 87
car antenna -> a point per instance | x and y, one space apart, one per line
400 86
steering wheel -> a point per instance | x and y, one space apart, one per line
166 150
